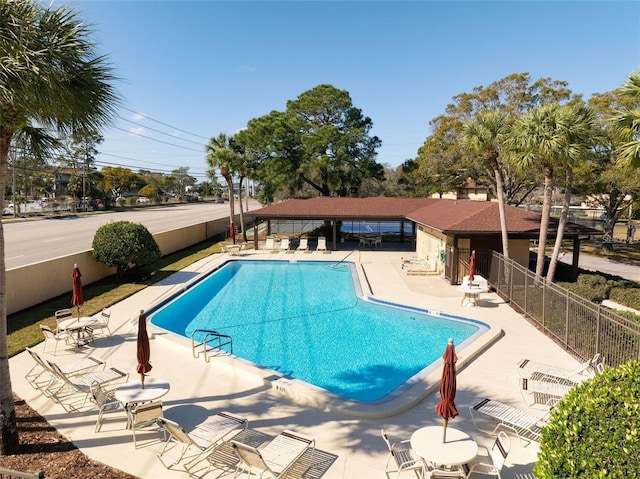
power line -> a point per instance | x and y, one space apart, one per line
162 132
165 124
155 139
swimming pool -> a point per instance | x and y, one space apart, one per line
308 320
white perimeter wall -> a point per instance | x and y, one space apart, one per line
32 284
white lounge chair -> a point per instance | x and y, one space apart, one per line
285 245
270 244
404 458
276 458
419 267
543 389
205 438
80 384
40 376
527 367
304 245
491 463
322 244
524 425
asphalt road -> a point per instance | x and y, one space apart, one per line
34 240
595 263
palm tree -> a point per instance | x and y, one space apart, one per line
486 134
538 139
222 156
578 126
49 76
628 121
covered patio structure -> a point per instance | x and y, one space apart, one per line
442 231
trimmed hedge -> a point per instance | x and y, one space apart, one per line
593 287
594 432
627 296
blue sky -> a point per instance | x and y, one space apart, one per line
198 68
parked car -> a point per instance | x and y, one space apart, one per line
143 199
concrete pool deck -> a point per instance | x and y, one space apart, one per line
346 446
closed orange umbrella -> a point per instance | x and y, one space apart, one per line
143 350
76 297
446 408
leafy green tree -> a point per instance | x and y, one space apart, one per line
578 126
183 179
321 142
49 76
513 95
149 191
486 134
117 180
593 431
547 137
124 245
605 180
222 156
628 121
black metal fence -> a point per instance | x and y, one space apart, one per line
580 326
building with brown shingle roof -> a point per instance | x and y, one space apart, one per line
444 230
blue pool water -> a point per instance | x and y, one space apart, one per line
307 320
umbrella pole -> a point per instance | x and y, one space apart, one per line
142 379
444 430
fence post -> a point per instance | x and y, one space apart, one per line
598 320
544 303
566 319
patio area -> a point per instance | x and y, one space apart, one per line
346 446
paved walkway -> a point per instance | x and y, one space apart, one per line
347 447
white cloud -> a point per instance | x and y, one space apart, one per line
137 117
248 69
137 130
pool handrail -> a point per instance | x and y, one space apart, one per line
209 336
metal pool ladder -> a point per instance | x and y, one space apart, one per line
213 340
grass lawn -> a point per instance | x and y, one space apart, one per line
23 327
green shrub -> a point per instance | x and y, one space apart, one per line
593 432
593 287
627 296
124 245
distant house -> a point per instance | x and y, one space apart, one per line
444 231
470 190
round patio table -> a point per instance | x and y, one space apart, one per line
131 394
458 449
79 326
471 295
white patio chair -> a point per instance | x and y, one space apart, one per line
205 438
62 315
404 458
276 458
105 400
491 463
102 322
56 338
146 415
